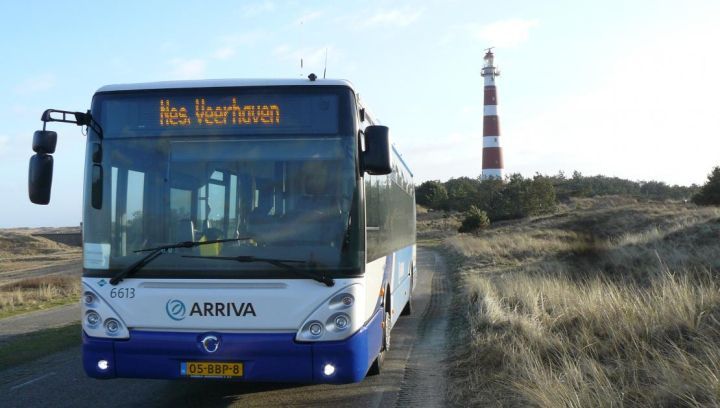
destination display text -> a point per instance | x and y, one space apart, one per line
204 113
216 112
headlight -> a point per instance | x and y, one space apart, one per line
103 364
337 318
88 298
112 326
347 300
98 318
342 321
342 301
92 318
315 328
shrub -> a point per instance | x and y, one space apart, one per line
475 220
461 192
709 194
431 194
517 197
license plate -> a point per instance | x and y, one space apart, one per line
211 369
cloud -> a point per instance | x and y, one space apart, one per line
638 122
231 43
394 18
504 33
224 52
309 16
282 50
187 68
15 146
440 158
35 84
19 110
254 9
4 140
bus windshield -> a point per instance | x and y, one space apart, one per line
292 196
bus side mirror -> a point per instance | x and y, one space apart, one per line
40 178
44 141
41 166
376 157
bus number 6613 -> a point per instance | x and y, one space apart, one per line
122 293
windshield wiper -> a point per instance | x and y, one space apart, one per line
159 250
280 263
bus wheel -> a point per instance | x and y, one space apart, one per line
376 367
408 309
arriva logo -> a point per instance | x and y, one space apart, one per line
175 309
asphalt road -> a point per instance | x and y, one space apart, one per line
10 327
69 267
414 372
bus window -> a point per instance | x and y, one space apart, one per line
180 213
216 205
127 209
233 208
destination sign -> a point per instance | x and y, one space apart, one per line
203 113
214 113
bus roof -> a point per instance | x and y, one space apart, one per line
221 83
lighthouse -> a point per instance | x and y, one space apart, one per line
492 163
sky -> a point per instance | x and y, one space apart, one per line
618 88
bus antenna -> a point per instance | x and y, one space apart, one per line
325 68
301 44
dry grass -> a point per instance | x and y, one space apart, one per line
19 250
433 226
38 293
608 303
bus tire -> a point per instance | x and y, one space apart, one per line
376 367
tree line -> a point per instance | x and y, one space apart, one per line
485 201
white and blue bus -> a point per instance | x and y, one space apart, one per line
258 230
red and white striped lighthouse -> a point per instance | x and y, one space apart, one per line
492 163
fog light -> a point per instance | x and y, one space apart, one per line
347 300
88 298
341 322
92 318
112 326
329 369
103 365
315 328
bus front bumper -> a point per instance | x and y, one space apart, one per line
266 357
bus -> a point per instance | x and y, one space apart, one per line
252 230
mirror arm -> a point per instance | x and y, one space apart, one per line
78 118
